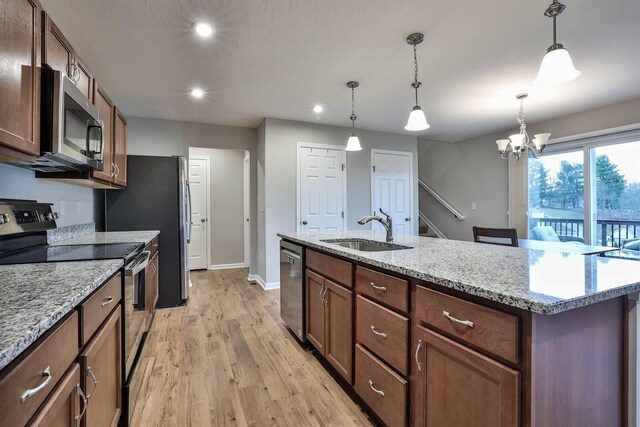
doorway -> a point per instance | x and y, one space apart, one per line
220 186
322 188
392 189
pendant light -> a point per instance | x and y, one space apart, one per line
417 120
353 144
556 66
518 144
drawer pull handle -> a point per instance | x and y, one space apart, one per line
85 402
417 354
108 301
453 319
378 288
95 382
380 392
27 394
380 334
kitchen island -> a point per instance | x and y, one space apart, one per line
459 333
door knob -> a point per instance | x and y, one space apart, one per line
304 222
203 219
408 218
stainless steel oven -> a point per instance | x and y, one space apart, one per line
136 324
70 127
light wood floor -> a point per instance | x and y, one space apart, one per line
226 359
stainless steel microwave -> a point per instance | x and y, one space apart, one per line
70 127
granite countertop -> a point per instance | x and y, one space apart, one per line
539 281
35 296
109 237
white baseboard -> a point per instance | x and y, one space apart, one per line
260 281
226 266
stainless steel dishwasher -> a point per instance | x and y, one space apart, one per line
292 289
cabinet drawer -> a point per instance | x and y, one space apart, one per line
54 355
384 288
333 268
383 390
492 330
97 307
383 332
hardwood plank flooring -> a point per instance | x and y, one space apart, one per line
226 358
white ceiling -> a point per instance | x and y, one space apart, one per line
277 58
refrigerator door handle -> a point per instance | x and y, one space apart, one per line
190 212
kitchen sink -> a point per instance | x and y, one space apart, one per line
366 245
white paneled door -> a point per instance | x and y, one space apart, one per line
199 182
392 184
321 189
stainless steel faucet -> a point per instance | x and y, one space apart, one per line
388 224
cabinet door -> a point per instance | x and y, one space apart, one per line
315 310
62 408
101 367
120 149
338 328
57 52
105 106
84 78
19 79
456 386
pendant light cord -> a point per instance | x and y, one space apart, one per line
353 110
416 83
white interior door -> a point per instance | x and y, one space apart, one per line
199 182
391 183
321 189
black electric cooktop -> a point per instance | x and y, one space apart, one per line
48 253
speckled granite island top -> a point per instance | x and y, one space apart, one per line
33 297
110 237
534 280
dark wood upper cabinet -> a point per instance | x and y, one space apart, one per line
103 103
57 52
20 79
84 77
120 148
456 386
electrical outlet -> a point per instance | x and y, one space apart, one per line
473 206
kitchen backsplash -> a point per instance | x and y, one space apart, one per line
75 205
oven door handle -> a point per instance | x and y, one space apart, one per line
138 264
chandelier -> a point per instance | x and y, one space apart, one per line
519 143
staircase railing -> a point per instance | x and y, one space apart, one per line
431 225
442 201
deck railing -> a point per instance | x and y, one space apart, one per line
610 232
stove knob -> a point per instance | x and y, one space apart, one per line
4 218
51 216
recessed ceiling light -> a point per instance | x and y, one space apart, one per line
204 30
197 93
318 109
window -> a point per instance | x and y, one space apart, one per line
597 178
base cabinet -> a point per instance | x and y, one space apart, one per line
329 322
101 365
456 386
66 404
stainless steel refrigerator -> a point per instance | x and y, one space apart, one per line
157 197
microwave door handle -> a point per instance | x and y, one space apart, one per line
94 124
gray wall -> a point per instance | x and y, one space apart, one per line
169 138
280 142
226 204
472 171
74 204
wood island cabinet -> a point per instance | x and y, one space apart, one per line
456 386
329 322
20 23
66 405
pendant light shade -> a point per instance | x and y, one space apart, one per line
417 120
353 144
556 67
